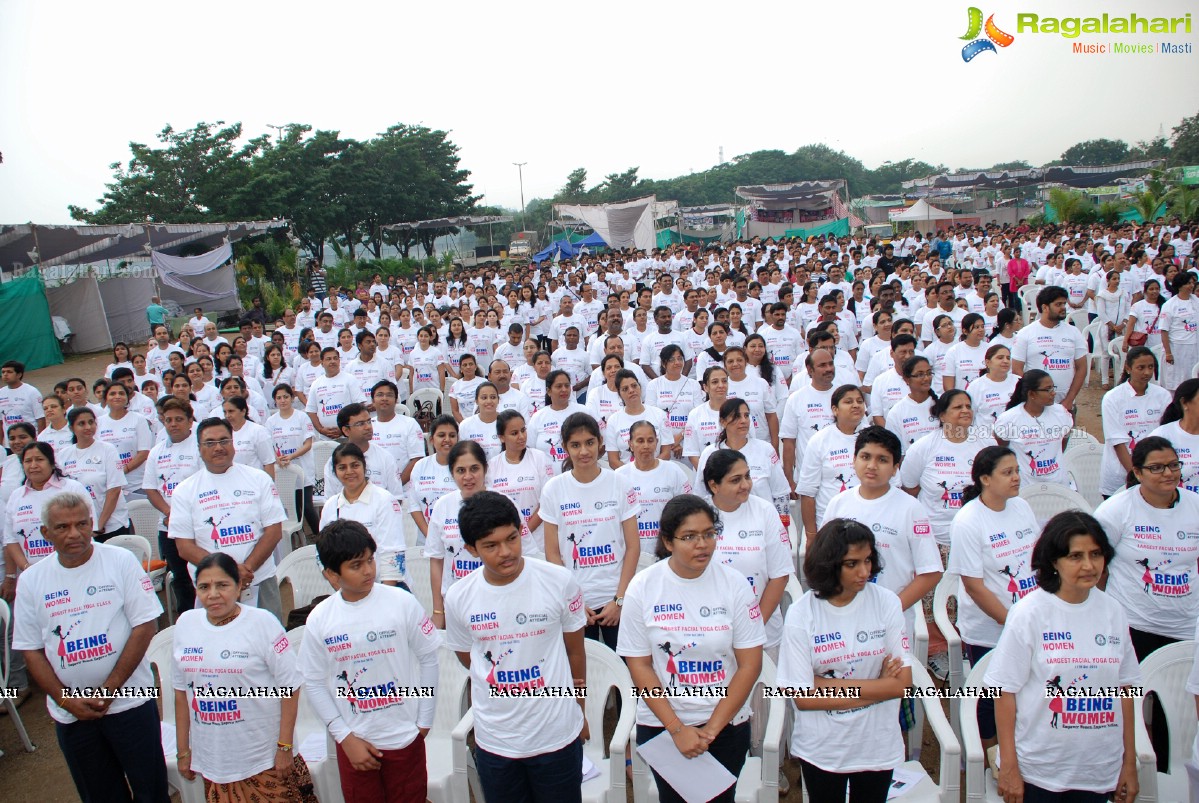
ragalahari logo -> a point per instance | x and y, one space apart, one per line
994 36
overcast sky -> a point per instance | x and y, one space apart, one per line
655 84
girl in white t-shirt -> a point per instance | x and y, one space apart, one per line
846 632
430 478
966 360
1180 331
1130 411
761 399
480 427
233 753
991 392
703 421
57 433
462 391
520 473
427 362
911 418
291 436
1036 429
616 434
95 464
693 625
129 432
674 394
251 443
655 481
765 468
1145 316
448 558
1064 648
827 467
604 400
750 537
591 526
1180 426
546 423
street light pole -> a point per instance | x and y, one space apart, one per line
521 174
278 130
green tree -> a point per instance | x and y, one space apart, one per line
1156 148
1146 203
1184 202
575 186
1071 206
1184 142
1096 152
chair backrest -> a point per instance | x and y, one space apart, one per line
1165 672
417 567
605 671
1118 356
950 585
1091 331
322 452
137 544
1080 319
1080 437
453 682
1084 462
145 521
295 637
1047 499
1028 296
974 680
287 481
402 409
425 405
304 571
759 703
791 594
160 654
5 615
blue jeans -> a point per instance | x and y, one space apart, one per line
555 777
115 755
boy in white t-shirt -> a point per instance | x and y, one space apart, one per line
369 661
517 625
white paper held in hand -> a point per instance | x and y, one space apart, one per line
697 780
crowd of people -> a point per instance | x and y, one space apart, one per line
634 449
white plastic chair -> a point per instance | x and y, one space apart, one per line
303 570
1080 319
1083 462
445 784
288 480
160 655
919 650
951 586
646 560
1047 499
322 453
144 518
1098 353
1028 300
1165 672
1079 437
139 545
427 396
417 566
10 705
1118 356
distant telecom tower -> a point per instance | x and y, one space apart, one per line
720 156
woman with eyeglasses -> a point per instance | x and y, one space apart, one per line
912 416
1036 428
675 653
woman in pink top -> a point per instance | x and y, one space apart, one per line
1017 271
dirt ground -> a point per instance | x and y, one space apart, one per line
42 775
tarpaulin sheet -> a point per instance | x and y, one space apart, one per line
838 228
27 334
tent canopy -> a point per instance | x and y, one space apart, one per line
462 221
629 224
567 249
1078 176
796 195
27 244
921 210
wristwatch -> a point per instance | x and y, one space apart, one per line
619 601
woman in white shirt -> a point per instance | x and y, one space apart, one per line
462 391
676 652
427 362
480 427
912 416
992 391
943 329
252 444
533 382
966 360
1180 331
1112 308
991 542
520 473
862 744
274 373
591 527
12 477
371 506
674 394
718 334
703 421
120 358
1007 324
616 434
1079 743
655 481
1036 428
291 434
603 400
765 468
97 466
751 537
129 432
827 467
547 422
1130 411
1145 316
756 392
430 478
233 754
758 361
449 561
57 432
456 345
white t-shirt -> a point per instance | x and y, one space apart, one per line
58 438
23 515
759 397
252 445
616 433
227 513
169 464
1180 320
429 482
997 548
912 420
654 488
81 619
785 346
481 432
589 517
358 657
514 635
1157 557
941 470
676 399
765 470
130 435
23 403
827 467
401 437
846 642
381 470
1066 743
1052 350
99 470
545 427
288 436
522 483
378 511
1187 447
703 426
231 736
989 398
464 391
326 396
965 363
1037 442
1127 418
753 542
888 390
363 376
690 628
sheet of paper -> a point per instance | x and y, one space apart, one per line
314 748
903 781
589 769
696 780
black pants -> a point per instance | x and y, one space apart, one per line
1035 794
1159 735
603 633
181 584
986 707
730 747
102 537
118 757
307 509
867 786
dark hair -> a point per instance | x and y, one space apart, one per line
385 383
282 386
443 420
349 411
1141 452
208 423
47 452
1054 543
968 320
165 405
841 391
464 447
673 514
1003 318
1185 393
1049 295
481 385
1135 353
347 450
484 513
899 341
766 367
665 356
728 410
985 463
1161 300
822 561
719 464
72 416
1032 378
882 437
239 402
17 366
576 421
501 423
31 431
552 377
622 375
941 405
222 561
341 541
1181 280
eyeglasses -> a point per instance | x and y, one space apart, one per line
691 539
358 424
1158 468
1050 389
922 375
214 444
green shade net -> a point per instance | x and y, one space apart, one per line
838 228
27 334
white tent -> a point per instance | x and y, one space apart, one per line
921 210
629 224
